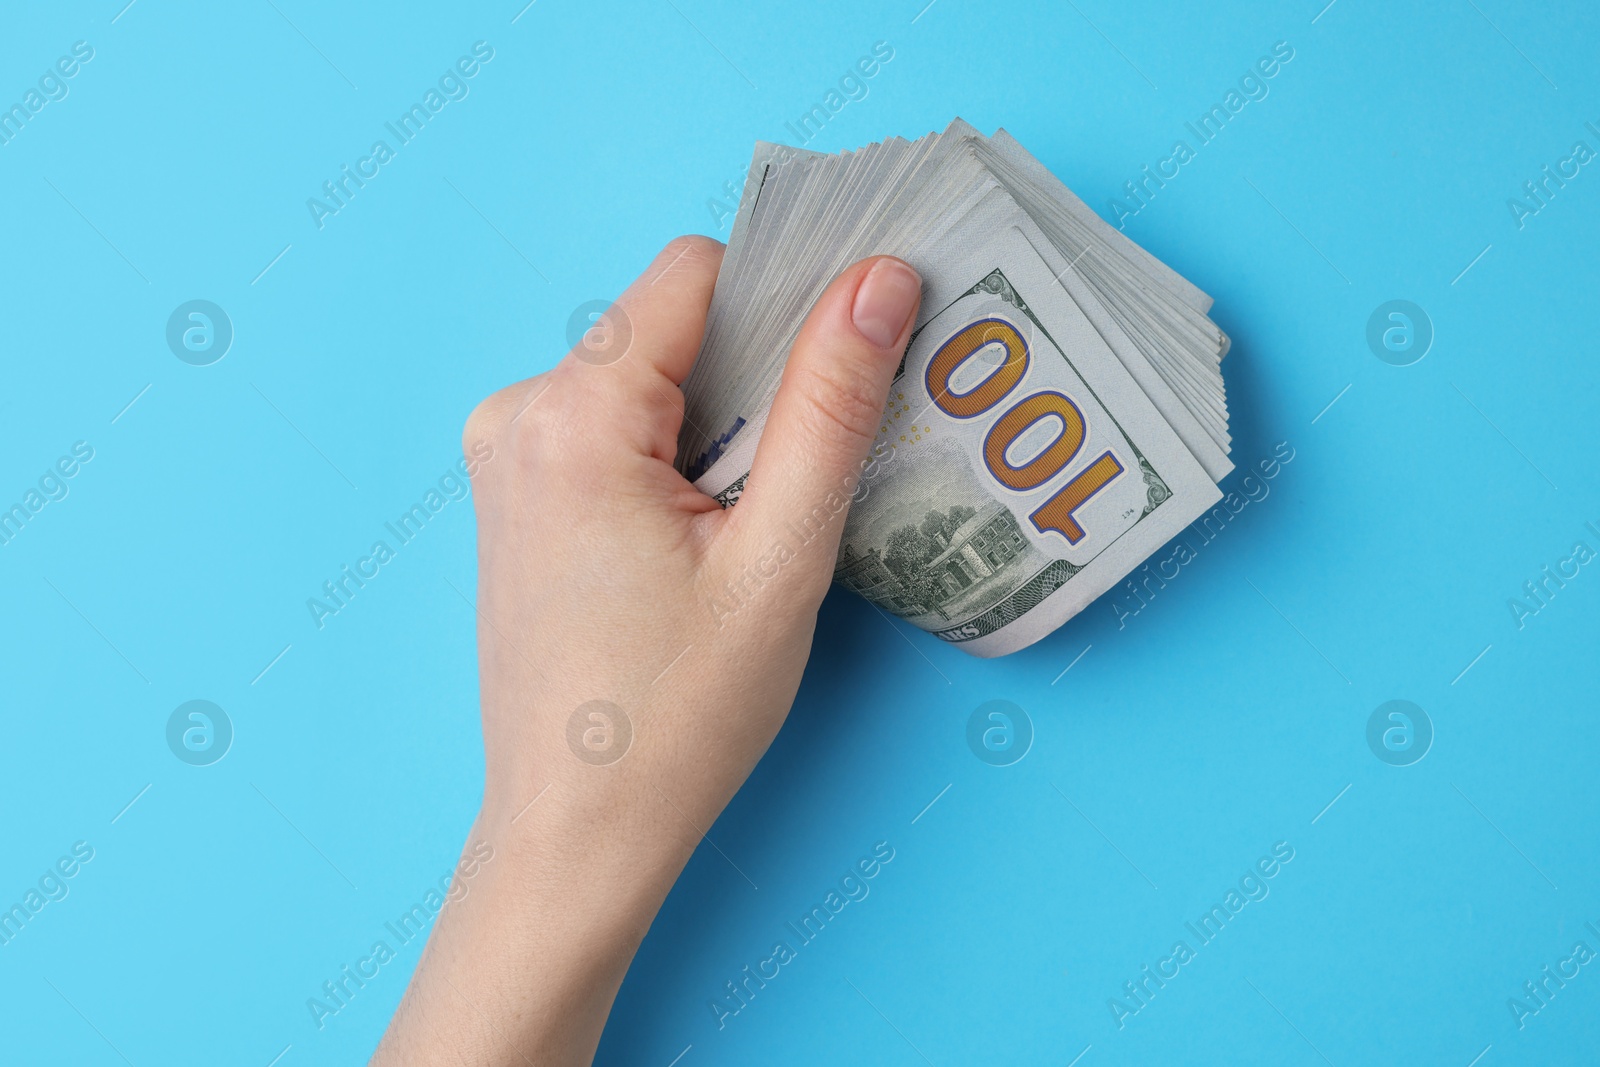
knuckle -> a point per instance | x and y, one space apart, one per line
483 424
554 428
691 252
691 244
506 413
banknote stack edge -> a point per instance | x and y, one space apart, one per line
1060 413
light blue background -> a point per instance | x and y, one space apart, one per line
1221 719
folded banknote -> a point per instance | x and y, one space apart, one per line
1059 414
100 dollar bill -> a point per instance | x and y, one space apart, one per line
1019 471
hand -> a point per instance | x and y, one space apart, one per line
639 647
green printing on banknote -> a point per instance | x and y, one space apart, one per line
977 546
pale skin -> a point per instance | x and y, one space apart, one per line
604 575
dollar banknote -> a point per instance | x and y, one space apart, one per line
1058 415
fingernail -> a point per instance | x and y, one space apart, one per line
884 301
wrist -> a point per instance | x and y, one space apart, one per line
599 860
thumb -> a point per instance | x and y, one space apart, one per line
827 412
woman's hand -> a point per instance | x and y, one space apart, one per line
639 647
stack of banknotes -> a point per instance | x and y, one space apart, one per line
1059 414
